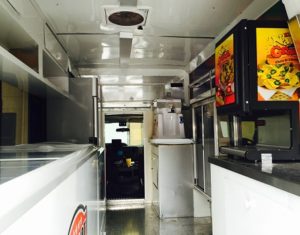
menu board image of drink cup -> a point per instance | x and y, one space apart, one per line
224 72
278 68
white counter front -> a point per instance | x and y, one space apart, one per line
244 206
53 196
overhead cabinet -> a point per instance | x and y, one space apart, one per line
39 67
53 47
17 41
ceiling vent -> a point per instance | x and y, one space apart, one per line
126 16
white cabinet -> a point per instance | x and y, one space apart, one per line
241 205
172 180
30 54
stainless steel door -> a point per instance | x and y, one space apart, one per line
199 147
208 143
204 123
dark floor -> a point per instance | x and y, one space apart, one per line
121 191
145 221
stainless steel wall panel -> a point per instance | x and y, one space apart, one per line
69 121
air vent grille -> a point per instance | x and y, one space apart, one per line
126 16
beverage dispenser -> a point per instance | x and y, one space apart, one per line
168 119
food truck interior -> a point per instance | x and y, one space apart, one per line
149 117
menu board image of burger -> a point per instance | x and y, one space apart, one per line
278 68
224 72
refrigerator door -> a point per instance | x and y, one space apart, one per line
208 143
204 147
199 147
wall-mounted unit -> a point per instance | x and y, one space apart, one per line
256 67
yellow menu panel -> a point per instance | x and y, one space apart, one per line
224 72
278 69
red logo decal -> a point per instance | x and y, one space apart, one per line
79 222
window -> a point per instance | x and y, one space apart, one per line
127 128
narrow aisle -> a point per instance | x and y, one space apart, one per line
145 221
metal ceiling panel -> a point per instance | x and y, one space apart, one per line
168 17
174 34
104 49
175 31
181 50
128 2
131 93
137 80
92 49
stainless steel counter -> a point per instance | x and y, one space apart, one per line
283 175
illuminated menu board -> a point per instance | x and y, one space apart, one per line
278 68
224 72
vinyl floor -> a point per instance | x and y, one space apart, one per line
145 221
